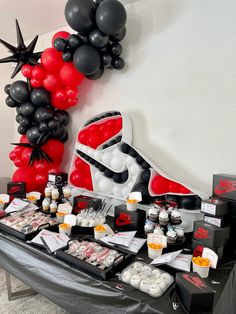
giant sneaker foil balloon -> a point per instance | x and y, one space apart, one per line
105 162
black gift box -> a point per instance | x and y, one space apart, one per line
59 179
16 189
214 207
210 235
83 201
224 185
194 292
198 247
125 220
217 221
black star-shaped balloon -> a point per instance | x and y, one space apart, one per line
21 54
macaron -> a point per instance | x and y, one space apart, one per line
154 290
126 276
138 266
135 281
145 284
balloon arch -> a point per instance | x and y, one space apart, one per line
52 80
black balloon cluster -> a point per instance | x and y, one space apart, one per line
35 115
101 26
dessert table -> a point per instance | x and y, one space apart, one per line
77 292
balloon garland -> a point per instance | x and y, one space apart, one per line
53 77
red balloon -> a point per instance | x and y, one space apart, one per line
12 155
41 179
27 175
41 166
18 162
26 70
71 92
38 73
35 83
26 155
184 190
77 178
159 185
18 150
69 75
79 163
88 183
54 169
61 34
52 82
23 139
52 60
82 137
61 95
94 140
71 102
55 149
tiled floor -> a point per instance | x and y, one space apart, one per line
31 305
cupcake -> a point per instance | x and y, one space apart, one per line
180 233
66 191
163 218
171 236
175 217
55 194
53 207
158 230
46 204
48 191
148 227
153 214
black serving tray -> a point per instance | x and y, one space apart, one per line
119 263
26 236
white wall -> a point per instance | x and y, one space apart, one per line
178 87
6 119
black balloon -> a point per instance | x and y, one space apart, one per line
40 97
43 127
62 117
145 176
96 75
84 38
43 114
108 173
19 116
21 130
118 63
106 60
60 44
87 60
116 49
27 109
10 102
64 138
25 122
18 110
74 41
80 15
67 56
98 39
188 202
133 153
111 17
19 91
7 89
60 133
125 148
117 177
53 124
33 134
118 37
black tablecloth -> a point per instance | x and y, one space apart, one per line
77 292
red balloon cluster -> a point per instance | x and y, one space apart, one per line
161 185
98 133
36 176
81 176
58 77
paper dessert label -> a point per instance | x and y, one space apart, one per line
166 258
208 208
182 262
211 255
16 205
134 247
123 238
55 241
